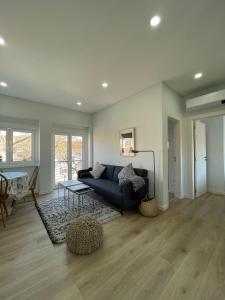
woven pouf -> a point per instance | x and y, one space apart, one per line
149 208
84 236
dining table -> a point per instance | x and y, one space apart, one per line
18 185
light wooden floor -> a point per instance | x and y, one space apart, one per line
178 255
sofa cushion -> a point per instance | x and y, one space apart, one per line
116 172
108 173
105 186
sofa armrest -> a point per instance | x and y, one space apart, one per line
144 190
84 173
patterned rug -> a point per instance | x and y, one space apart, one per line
57 214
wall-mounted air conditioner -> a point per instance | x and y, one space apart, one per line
214 99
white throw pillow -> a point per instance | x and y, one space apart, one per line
97 171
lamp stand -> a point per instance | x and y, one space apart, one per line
149 208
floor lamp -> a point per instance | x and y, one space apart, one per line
153 154
149 208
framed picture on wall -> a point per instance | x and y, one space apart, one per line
127 141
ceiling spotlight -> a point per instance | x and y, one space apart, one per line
198 75
105 85
2 41
79 103
3 84
155 21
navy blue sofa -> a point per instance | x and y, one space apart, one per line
108 186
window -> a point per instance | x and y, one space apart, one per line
17 146
2 145
22 146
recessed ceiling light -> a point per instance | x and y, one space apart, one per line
105 85
79 103
155 21
3 84
198 75
2 41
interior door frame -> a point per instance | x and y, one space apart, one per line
69 133
178 192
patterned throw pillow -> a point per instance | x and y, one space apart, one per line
127 173
97 171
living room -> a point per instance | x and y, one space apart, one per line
87 90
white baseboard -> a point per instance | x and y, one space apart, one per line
188 196
215 191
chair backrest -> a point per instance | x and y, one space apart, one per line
3 187
33 179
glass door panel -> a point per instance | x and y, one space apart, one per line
77 155
61 158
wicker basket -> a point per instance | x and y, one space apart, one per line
149 208
84 236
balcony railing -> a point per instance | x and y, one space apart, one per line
62 170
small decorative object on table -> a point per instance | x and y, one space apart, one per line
148 206
84 236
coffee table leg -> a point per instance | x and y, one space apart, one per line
68 199
78 206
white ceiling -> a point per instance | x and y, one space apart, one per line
59 51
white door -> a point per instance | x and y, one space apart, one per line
177 174
200 159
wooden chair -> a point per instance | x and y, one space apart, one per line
33 182
3 197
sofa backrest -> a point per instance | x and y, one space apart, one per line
111 172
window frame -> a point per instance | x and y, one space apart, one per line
9 147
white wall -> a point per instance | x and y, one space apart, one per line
148 112
48 117
215 154
142 111
172 108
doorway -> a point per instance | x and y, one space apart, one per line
69 156
209 155
173 158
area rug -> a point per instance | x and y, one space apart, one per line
58 213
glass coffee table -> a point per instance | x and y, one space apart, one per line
65 184
78 190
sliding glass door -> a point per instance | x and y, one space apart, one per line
69 156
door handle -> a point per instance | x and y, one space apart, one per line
205 157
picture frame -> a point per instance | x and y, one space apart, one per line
127 142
